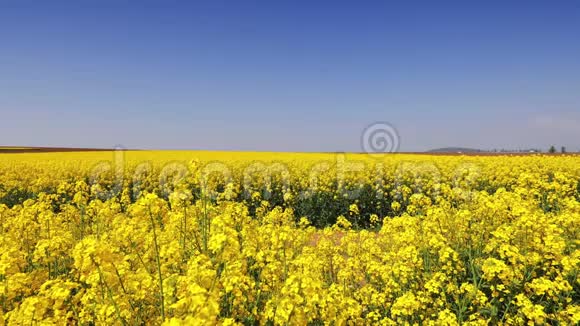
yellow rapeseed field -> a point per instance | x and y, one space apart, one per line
185 238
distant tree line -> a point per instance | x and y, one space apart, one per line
529 150
551 150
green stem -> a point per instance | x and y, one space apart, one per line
110 294
158 266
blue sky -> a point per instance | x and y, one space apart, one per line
289 76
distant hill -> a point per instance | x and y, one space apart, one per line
455 150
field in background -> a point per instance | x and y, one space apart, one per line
8 149
177 237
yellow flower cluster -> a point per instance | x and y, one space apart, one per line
182 238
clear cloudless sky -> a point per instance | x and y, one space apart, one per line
289 75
